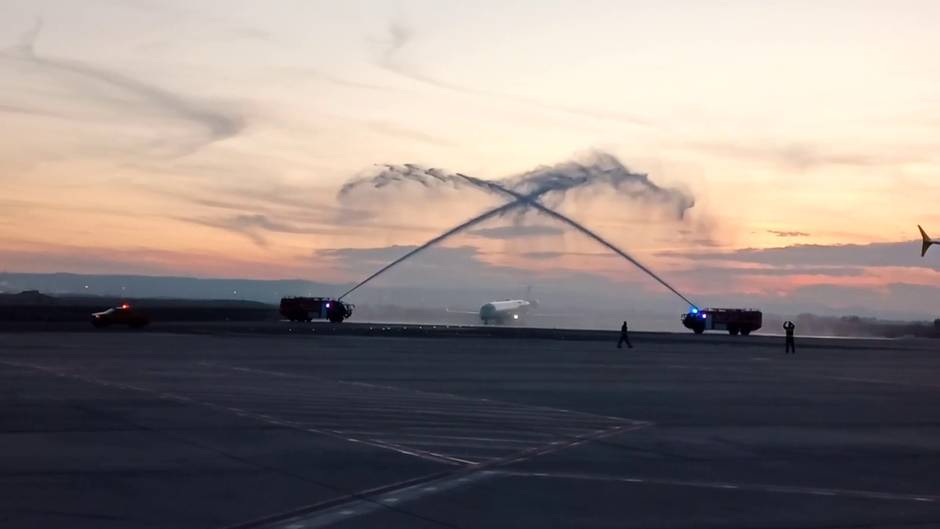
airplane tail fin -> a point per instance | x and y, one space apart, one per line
528 297
927 241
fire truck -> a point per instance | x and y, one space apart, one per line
735 321
309 309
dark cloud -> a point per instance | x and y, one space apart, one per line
262 222
715 274
516 232
382 254
805 156
548 255
460 257
253 226
893 254
543 255
216 125
780 233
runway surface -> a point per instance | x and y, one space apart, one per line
298 427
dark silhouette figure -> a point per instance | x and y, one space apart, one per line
624 337
789 327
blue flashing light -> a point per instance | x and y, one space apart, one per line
694 310
704 315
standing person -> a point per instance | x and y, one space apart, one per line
624 337
789 327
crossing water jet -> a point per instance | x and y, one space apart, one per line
539 183
447 234
534 203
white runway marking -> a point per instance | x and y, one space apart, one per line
814 375
361 507
781 489
414 391
241 413
439 427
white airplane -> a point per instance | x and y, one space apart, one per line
505 311
927 241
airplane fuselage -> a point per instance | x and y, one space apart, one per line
504 311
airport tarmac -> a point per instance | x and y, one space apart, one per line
263 427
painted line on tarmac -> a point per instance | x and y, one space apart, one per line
384 497
405 435
879 381
421 454
568 441
810 376
361 507
391 498
557 446
435 431
531 415
366 495
418 391
752 487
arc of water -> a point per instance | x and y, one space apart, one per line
534 203
519 201
456 229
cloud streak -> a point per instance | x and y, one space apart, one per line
400 35
516 232
785 234
894 254
548 255
216 125
439 266
253 226
802 156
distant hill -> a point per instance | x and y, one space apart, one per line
135 286
27 297
32 306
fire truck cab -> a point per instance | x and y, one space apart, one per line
308 309
735 321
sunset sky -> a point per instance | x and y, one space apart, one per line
210 139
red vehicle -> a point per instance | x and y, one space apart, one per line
309 309
120 315
735 321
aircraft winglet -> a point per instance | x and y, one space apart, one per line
927 241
